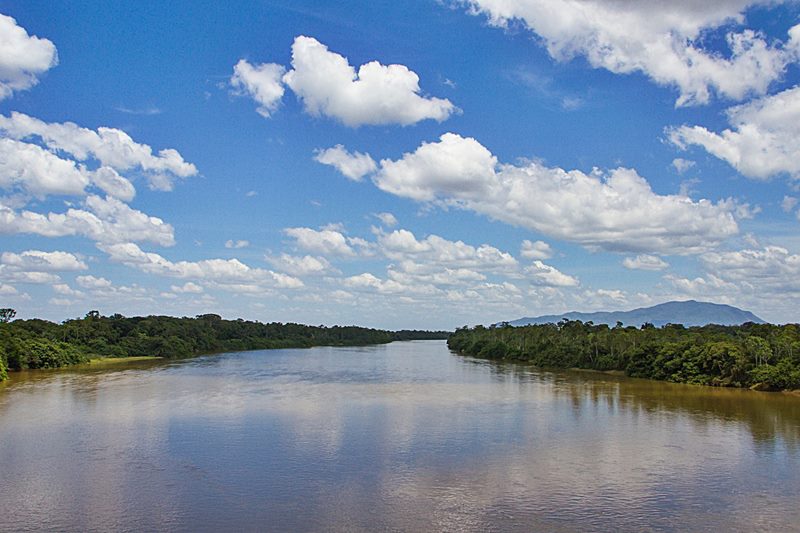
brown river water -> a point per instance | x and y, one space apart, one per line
400 437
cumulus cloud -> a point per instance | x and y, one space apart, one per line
765 279
109 181
36 171
645 262
370 282
772 268
550 276
102 220
324 241
374 95
33 171
226 273
763 140
387 219
23 57
39 261
682 165
15 275
663 40
66 290
535 250
230 243
111 147
455 163
788 203
261 82
710 286
92 282
403 245
353 166
8 290
306 265
187 288
615 211
38 267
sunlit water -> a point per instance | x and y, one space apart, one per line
389 438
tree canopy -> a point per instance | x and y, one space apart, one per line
36 343
761 356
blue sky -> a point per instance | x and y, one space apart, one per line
398 164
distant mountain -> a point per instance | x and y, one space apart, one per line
688 313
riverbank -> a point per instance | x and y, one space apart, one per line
35 343
758 356
110 361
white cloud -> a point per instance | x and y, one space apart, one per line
325 241
226 273
645 262
353 166
550 276
300 266
376 94
403 245
682 165
66 290
663 40
370 282
788 203
409 272
772 268
92 282
616 211
387 219
710 286
766 280
39 261
103 220
110 182
455 163
15 275
23 57
111 147
187 288
236 244
7 290
38 267
535 250
603 298
38 172
763 141
32 170
261 82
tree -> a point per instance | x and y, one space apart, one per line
6 314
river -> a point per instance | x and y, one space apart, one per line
398 437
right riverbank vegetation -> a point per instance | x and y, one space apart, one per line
36 343
758 356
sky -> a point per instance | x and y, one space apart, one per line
421 164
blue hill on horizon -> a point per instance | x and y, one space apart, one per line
688 313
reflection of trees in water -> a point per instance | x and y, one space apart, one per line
767 416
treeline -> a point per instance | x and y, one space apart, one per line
36 343
419 335
761 356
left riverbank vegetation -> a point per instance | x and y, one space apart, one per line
36 343
759 356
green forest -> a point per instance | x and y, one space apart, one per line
36 343
759 356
